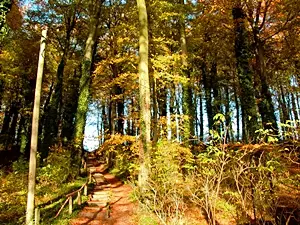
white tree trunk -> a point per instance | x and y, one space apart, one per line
35 132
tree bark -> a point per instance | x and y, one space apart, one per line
144 96
248 103
237 107
34 133
201 116
69 107
266 107
208 95
53 118
84 84
188 107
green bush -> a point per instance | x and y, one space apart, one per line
57 169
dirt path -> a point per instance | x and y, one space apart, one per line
109 202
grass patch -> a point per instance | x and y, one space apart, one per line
50 192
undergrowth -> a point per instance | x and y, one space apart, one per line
228 183
55 179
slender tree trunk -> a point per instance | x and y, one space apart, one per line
266 106
112 116
216 94
153 85
237 107
283 106
69 107
228 116
248 103
162 108
178 113
9 125
6 120
144 86
155 111
201 116
34 133
208 96
294 107
13 127
104 120
188 107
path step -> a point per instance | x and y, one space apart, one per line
101 198
101 188
97 203
96 169
92 208
102 192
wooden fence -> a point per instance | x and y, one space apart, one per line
69 199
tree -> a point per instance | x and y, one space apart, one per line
53 114
188 108
5 7
84 84
248 103
144 96
34 133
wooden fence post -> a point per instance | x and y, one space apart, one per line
70 205
79 197
85 190
90 177
37 216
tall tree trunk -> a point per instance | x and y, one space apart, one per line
248 103
144 88
265 105
69 107
228 116
9 125
112 116
162 108
294 107
237 107
216 93
84 84
6 120
208 95
283 105
188 107
155 111
34 133
13 126
53 117
120 110
201 116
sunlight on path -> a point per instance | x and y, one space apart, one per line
119 211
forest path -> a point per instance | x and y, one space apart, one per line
109 202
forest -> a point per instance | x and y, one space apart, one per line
192 106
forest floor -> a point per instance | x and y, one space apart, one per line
109 202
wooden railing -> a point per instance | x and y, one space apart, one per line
70 198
